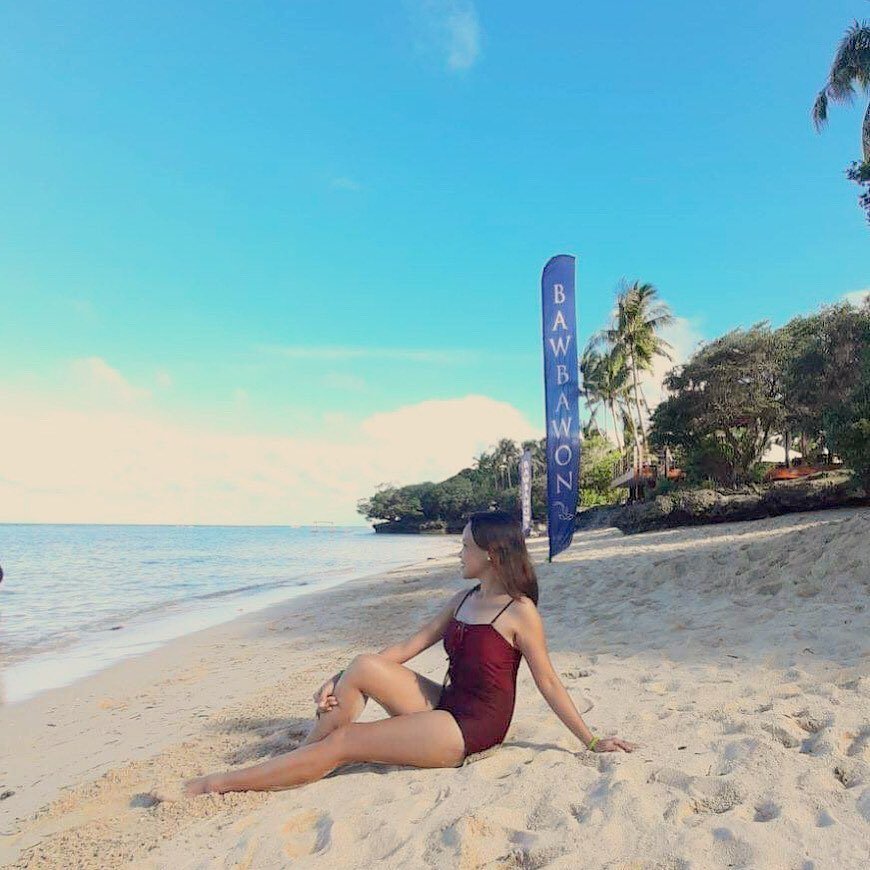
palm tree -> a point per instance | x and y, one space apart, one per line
590 364
638 318
850 69
485 464
611 379
630 425
506 458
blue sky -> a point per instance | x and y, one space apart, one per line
278 220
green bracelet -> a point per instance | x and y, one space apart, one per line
592 742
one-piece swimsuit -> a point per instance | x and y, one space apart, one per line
480 686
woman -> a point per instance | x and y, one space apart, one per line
431 725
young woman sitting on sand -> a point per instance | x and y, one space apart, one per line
431 725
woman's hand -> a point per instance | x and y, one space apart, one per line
323 697
612 744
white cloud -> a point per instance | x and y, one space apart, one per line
344 183
453 29
438 437
163 378
857 297
124 463
102 382
684 338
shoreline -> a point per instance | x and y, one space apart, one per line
735 655
62 660
133 675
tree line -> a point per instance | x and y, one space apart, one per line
807 382
491 483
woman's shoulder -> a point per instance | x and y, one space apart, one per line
525 600
524 604
458 596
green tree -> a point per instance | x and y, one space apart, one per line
450 499
827 379
598 464
393 503
725 403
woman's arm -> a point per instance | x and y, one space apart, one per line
531 641
429 634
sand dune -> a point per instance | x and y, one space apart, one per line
736 655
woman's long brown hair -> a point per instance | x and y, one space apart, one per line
501 535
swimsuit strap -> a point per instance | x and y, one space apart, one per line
502 610
463 600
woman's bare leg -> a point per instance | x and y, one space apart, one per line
398 689
429 739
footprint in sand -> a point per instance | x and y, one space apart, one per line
766 811
781 734
470 841
855 684
307 833
735 755
850 774
824 819
810 724
706 795
730 851
856 745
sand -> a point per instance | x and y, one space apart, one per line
735 655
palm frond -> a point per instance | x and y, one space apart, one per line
853 51
820 109
657 322
850 67
840 89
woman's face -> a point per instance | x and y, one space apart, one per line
474 559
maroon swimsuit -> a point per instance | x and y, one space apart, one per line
482 680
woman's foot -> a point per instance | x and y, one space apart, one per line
200 785
168 791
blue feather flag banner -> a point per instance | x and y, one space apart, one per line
562 397
526 491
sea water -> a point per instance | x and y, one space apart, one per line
78 598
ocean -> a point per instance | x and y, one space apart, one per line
77 598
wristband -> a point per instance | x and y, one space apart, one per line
592 742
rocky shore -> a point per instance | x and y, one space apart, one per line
694 507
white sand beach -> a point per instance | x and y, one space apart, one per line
737 656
